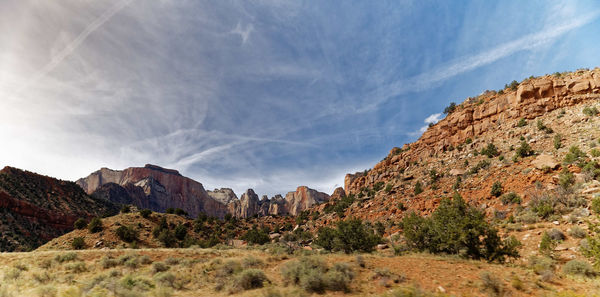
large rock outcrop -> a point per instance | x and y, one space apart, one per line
153 187
294 202
36 208
476 117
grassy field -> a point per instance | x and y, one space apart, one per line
270 271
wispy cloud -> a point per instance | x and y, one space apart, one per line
73 45
431 78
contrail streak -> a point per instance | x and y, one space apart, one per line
71 47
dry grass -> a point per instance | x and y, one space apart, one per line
246 272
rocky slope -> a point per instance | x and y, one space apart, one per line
547 112
157 188
36 208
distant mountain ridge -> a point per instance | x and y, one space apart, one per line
158 189
36 208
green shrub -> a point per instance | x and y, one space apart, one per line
595 153
522 123
596 205
388 188
557 141
497 189
80 224
524 150
78 243
450 108
490 151
167 238
457 228
107 262
126 208
566 179
256 236
313 275
250 279
511 197
66 257
468 141
575 155
95 225
166 279
481 165
547 244
579 268
512 86
159 267
418 188
349 236
145 213
127 234
181 231
590 111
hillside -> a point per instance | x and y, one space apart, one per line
35 208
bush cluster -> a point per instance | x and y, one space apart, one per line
256 236
127 233
313 275
456 227
349 236
490 151
95 225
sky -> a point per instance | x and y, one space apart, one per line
263 94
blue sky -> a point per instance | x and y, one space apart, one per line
260 94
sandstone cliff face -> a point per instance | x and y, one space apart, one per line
161 188
224 195
36 208
294 202
478 116
304 198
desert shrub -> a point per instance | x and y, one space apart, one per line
557 141
542 127
349 236
252 262
418 188
76 267
127 234
256 236
524 150
339 277
181 231
95 225
547 244
539 265
388 188
450 108
66 257
180 212
250 279
579 268
496 189
511 197
137 283
145 213
457 228
80 224
107 262
166 279
378 186
126 208
590 111
490 151
159 267
491 283
577 232
313 275
522 123
512 86
596 205
46 291
566 178
167 238
481 165
78 243
556 234
575 155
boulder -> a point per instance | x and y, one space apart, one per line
545 161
